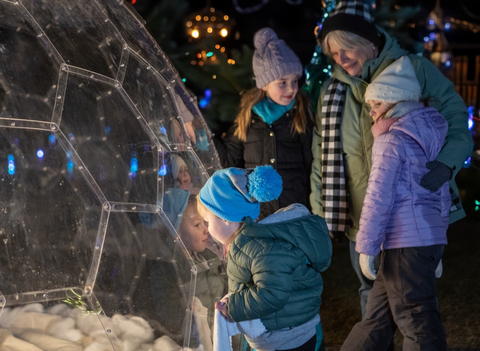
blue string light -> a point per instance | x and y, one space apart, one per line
40 153
162 171
206 100
52 140
11 165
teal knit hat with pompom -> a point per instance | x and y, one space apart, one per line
235 193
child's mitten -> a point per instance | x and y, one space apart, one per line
366 265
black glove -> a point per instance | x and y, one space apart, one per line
438 175
337 236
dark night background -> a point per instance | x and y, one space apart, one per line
459 286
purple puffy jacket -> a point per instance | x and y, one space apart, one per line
397 212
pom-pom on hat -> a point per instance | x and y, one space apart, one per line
235 193
273 59
397 82
354 17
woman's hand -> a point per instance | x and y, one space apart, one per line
222 307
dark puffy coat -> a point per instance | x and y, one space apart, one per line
288 152
274 270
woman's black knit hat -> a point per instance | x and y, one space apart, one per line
354 17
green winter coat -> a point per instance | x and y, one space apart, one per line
274 271
357 139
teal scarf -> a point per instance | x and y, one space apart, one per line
270 111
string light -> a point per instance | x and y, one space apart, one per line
11 164
209 22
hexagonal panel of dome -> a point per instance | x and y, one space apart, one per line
102 246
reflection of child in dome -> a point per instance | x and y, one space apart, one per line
181 175
170 280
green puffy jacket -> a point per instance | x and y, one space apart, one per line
274 271
357 139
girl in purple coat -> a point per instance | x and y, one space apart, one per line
400 218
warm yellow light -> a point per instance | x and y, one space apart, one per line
225 18
189 23
213 18
217 46
231 61
209 29
198 17
205 18
222 49
193 62
224 32
212 9
200 63
213 58
199 55
214 76
195 33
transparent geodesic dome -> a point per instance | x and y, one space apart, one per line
96 132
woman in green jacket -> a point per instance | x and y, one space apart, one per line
342 139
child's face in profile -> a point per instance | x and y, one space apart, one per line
183 175
219 229
283 90
378 108
194 232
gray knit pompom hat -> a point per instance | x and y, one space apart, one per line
273 59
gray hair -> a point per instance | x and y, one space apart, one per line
345 40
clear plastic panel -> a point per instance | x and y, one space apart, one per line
111 140
67 23
50 217
26 91
146 271
131 26
89 204
196 129
154 100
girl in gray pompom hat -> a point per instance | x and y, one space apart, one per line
274 125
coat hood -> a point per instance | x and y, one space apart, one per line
427 127
295 225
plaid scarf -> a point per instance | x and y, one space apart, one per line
334 194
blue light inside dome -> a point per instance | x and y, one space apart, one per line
426 39
205 101
40 153
69 162
432 36
470 122
133 165
162 171
467 162
11 164
52 139
448 63
432 22
163 130
447 26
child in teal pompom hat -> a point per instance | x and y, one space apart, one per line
274 265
